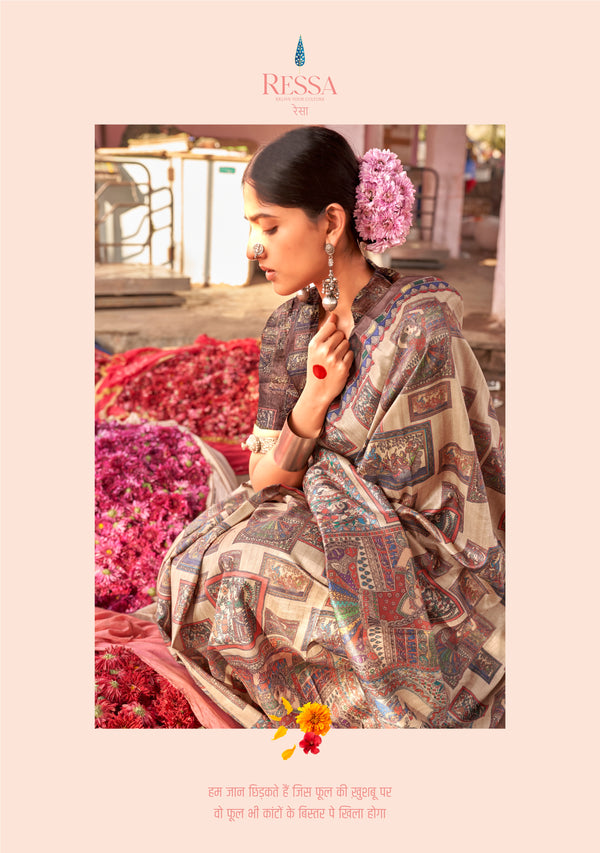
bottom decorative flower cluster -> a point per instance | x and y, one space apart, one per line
312 718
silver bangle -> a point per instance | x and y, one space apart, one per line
292 452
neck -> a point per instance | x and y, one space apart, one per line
352 272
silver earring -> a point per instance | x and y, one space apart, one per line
303 295
331 292
258 250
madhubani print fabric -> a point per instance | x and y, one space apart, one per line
377 589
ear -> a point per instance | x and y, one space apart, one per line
336 222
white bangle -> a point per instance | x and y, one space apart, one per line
255 444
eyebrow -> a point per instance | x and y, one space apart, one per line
258 216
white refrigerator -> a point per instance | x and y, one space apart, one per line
209 230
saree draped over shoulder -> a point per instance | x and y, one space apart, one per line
377 589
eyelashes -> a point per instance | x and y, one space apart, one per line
268 232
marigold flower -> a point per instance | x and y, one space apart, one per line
315 718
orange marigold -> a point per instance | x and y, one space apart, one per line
314 717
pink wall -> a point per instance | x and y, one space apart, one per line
259 133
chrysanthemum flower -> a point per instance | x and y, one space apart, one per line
109 687
145 495
104 712
134 715
315 718
384 201
171 708
106 660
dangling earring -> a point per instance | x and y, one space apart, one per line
331 292
303 295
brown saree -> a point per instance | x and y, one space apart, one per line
378 589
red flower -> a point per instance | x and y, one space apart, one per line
109 687
310 743
134 715
171 708
107 660
104 713
132 695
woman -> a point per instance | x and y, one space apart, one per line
362 566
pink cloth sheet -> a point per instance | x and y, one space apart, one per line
144 639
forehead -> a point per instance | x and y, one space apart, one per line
255 209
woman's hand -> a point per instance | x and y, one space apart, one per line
328 365
329 361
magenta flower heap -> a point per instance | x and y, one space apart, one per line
151 480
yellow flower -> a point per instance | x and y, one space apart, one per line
314 717
287 707
280 732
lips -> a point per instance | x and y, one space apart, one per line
269 273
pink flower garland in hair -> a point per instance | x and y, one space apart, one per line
384 200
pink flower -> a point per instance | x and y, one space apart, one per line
384 200
151 480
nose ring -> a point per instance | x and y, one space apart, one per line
258 250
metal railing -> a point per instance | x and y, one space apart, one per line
112 177
426 183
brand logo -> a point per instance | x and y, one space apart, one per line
287 84
298 89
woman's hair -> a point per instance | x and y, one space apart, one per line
309 168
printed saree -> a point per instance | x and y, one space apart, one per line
377 589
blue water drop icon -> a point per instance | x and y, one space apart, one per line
300 58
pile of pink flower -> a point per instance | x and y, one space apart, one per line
151 481
131 695
210 387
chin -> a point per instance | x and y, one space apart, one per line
282 289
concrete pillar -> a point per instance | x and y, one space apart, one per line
446 153
499 293
373 136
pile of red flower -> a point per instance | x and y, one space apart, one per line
131 695
211 386
151 481
101 359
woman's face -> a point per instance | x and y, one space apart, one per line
294 245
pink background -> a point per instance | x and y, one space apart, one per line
69 66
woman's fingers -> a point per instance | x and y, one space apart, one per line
342 347
327 329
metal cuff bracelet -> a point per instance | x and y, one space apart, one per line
292 452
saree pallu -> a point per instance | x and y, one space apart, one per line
378 589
